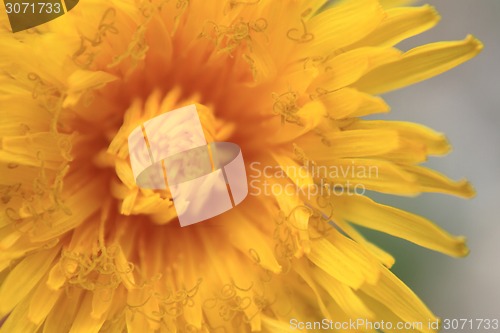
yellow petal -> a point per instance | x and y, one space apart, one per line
17 321
367 213
344 296
394 294
309 117
401 24
358 175
433 181
81 81
350 66
56 278
385 258
54 146
297 215
262 64
357 143
102 300
124 268
62 316
141 321
21 113
347 103
124 172
82 204
419 64
337 263
42 302
129 202
297 173
9 236
435 143
383 313
24 278
408 152
359 257
251 242
305 273
343 24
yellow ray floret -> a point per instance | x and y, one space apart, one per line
84 249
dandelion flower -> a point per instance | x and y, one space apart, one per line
83 249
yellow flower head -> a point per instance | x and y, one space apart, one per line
83 249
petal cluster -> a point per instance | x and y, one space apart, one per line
84 249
